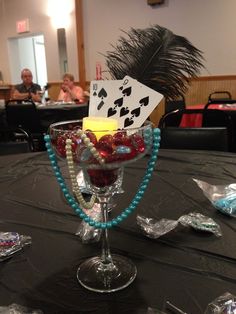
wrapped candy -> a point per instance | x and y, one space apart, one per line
18 309
86 232
12 242
201 222
154 228
222 197
224 304
151 310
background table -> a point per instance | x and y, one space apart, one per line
61 112
54 112
195 120
187 267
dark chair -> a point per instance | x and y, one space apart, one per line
214 138
171 105
173 118
24 115
220 97
211 118
14 140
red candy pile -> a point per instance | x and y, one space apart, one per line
119 147
101 177
113 148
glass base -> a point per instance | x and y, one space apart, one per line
96 276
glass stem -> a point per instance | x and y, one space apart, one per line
106 254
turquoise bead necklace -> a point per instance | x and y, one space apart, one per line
142 187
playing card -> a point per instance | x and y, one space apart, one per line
140 100
103 94
127 100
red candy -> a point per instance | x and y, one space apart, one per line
106 139
109 148
101 178
91 136
121 138
61 144
104 149
138 142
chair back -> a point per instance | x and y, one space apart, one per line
24 115
214 138
220 97
210 117
171 105
173 118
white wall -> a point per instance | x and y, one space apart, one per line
208 24
40 23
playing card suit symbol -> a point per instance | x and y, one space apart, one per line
121 87
128 122
100 105
127 91
136 112
95 93
144 101
111 111
102 93
124 111
119 102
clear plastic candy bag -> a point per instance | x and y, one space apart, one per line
12 242
201 222
224 304
156 228
151 310
86 232
18 309
222 197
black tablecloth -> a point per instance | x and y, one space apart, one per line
187 267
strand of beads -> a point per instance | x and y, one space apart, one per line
75 187
137 197
90 146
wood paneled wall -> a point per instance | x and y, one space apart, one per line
5 92
198 91
201 87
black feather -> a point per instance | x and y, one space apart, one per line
157 58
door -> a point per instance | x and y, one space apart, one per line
28 52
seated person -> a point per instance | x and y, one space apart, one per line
27 89
70 92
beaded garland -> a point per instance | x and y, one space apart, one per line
124 214
75 187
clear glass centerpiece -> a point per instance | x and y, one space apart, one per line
102 155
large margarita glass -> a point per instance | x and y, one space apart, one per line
102 156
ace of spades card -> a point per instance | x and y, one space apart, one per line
127 100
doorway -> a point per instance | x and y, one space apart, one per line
28 52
